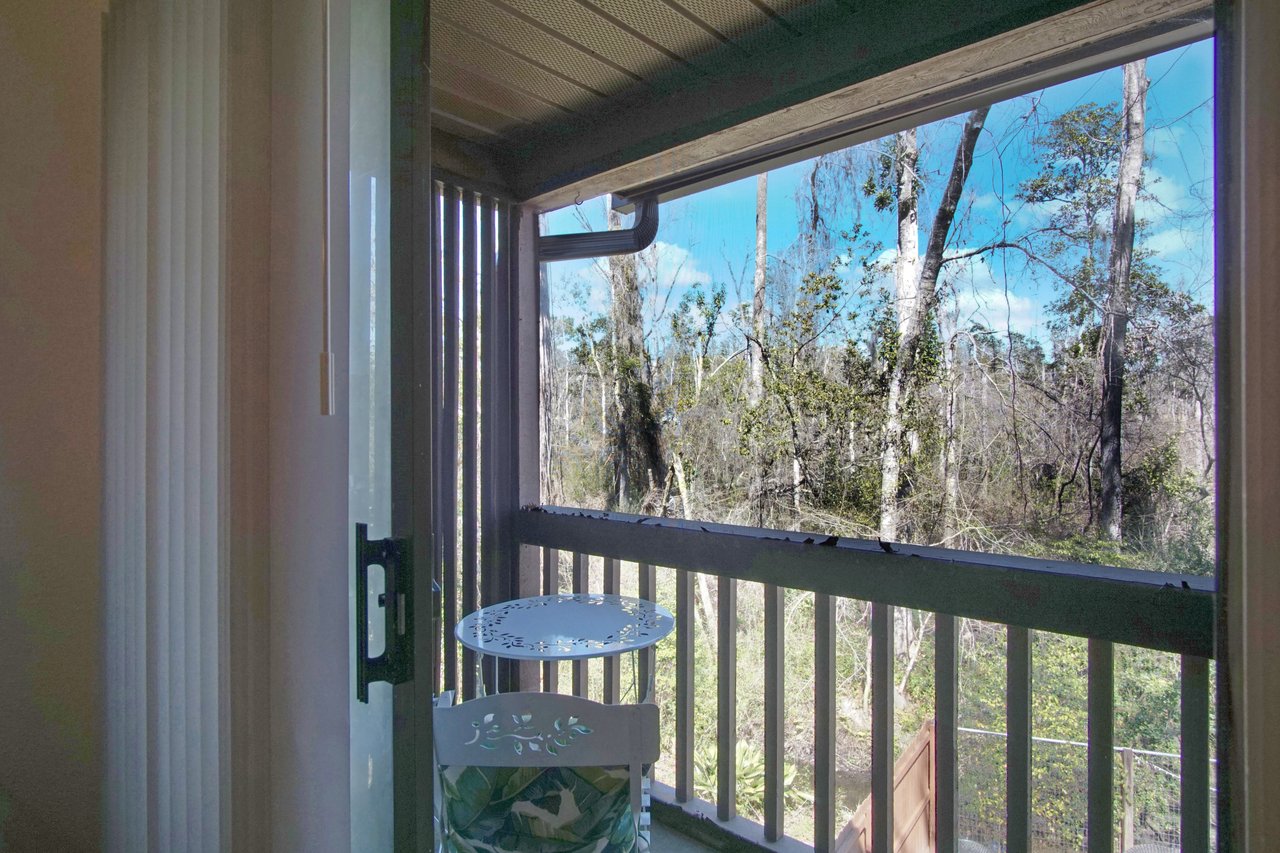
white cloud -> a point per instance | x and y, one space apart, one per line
887 258
1028 216
1178 143
1169 195
581 288
1171 241
986 202
670 264
988 306
1184 254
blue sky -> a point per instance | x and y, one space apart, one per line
710 237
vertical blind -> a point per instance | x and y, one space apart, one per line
168 493
470 230
126 117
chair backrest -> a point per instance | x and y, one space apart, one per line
600 746
545 730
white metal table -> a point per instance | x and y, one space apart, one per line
565 627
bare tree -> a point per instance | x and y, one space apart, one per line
1115 320
950 440
639 468
916 296
759 324
759 301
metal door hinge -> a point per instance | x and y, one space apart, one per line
395 664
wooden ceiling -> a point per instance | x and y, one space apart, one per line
503 68
534 97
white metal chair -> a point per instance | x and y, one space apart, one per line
544 772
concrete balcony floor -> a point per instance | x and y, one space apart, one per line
667 840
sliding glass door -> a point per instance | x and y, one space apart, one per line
388 241
372 795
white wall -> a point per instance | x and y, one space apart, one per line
50 425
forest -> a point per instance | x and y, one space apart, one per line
992 333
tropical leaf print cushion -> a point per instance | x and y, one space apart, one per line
544 809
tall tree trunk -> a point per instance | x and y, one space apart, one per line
906 271
759 322
1115 321
867 662
759 301
919 299
602 381
906 285
950 463
707 606
913 651
637 436
682 483
548 380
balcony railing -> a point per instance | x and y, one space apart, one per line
1108 606
483 313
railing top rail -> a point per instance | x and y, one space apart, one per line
1167 612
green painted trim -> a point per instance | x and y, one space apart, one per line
842 44
1167 612
703 830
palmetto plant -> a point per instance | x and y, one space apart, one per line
749 772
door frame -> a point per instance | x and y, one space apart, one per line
412 330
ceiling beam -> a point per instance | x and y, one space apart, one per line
858 73
467 163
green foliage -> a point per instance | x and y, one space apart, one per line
1083 548
1078 158
749 773
1167 510
816 401
693 325
588 474
881 184
589 339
